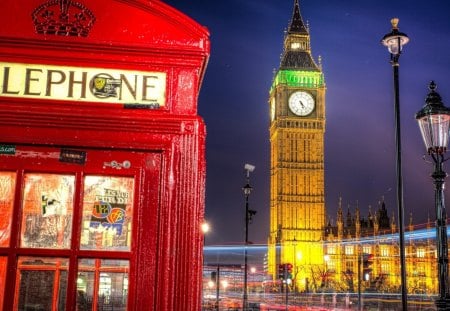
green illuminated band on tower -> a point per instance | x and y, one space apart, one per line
296 78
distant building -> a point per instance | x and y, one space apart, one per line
367 250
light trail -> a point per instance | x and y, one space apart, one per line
419 234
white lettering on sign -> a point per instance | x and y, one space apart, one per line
83 84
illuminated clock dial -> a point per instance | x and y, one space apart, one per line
272 109
301 103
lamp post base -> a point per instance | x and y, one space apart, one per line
443 303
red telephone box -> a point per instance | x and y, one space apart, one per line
102 164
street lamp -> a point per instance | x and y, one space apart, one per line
247 189
434 120
205 229
394 41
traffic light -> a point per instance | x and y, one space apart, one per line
289 271
367 266
266 263
281 271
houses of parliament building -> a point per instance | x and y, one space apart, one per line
354 251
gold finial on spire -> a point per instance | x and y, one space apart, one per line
394 23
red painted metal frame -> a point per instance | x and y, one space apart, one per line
128 35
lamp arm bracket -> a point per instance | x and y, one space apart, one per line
438 158
424 158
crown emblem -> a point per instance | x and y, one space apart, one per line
63 18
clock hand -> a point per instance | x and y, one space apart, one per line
301 103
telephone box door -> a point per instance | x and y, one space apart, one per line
78 215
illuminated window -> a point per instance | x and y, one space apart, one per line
331 265
385 268
349 250
349 266
420 253
384 251
295 45
420 270
331 249
367 249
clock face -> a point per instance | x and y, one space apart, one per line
301 103
272 109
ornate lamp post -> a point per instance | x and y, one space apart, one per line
394 41
247 189
434 120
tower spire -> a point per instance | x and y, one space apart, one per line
297 25
297 49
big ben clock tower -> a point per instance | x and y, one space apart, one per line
297 128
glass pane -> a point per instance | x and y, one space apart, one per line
7 184
47 211
434 130
3 262
62 290
107 213
37 280
102 283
